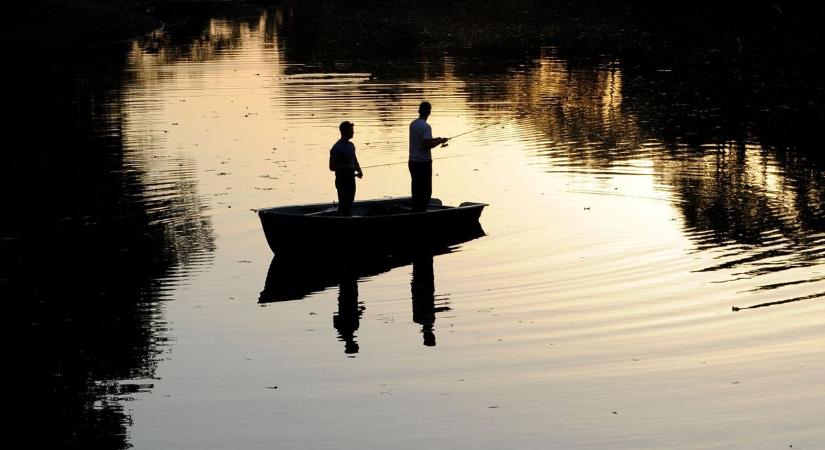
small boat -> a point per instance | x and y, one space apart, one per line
374 224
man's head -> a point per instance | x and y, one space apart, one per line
347 129
424 109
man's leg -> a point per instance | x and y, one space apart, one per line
427 181
346 194
421 186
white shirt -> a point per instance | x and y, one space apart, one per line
419 131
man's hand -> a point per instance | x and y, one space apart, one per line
359 173
435 142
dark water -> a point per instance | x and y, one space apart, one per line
633 206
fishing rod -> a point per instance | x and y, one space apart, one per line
468 132
472 131
442 145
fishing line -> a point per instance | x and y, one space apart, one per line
406 161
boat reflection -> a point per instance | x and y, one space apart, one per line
295 278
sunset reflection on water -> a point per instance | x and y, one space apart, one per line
595 312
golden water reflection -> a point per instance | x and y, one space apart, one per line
596 311
620 259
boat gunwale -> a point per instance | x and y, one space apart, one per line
295 210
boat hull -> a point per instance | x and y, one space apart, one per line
375 224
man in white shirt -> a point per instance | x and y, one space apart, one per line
421 159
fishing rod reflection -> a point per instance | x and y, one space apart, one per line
295 278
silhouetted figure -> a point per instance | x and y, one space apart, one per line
422 288
421 160
344 163
347 320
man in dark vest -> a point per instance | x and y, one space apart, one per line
344 163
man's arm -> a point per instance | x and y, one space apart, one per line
358 172
434 142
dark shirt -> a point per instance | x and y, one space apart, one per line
343 156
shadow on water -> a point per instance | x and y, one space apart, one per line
88 248
296 278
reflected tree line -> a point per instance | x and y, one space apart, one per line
199 31
86 250
728 180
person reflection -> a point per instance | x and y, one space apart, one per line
422 288
347 319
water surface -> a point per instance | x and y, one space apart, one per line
640 285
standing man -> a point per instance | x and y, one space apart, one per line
421 160
343 162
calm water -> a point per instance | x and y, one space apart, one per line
596 312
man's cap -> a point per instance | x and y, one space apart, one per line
345 125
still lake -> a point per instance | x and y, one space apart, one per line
598 311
